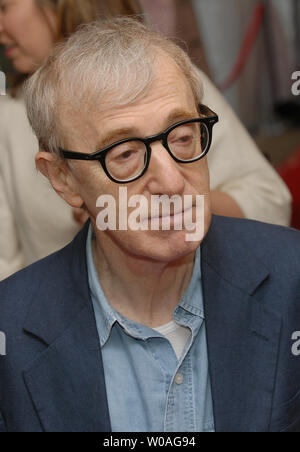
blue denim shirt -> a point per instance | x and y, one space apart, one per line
148 388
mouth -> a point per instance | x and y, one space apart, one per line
173 214
9 50
174 219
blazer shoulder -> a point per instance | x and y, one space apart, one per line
242 251
49 279
19 290
276 246
262 234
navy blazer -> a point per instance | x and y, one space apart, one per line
52 378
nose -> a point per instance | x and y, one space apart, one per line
165 175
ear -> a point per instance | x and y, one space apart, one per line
57 171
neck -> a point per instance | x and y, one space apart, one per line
141 289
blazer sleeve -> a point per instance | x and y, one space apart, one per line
238 168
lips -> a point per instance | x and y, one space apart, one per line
9 50
177 214
175 220
173 214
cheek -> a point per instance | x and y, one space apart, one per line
91 183
198 177
29 29
18 22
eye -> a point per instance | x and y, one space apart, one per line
126 152
125 155
184 139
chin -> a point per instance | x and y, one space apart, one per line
168 246
163 246
23 67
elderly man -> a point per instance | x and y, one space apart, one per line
151 319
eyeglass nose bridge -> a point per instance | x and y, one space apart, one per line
163 138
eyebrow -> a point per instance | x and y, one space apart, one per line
113 136
180 115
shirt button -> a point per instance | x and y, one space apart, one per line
179 379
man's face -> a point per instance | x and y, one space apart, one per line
169 100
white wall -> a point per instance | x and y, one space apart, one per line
223 24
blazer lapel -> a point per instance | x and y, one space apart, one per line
242 334
66 382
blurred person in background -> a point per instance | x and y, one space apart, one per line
34 222
32 226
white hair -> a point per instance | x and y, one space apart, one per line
104 64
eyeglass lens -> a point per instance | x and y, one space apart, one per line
187 142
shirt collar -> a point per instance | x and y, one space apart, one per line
107 316
189 302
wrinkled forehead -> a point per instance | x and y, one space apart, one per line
83 121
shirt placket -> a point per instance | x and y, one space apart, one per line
180 404
180 407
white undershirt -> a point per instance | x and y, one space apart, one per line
176 334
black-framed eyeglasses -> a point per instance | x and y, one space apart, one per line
127 160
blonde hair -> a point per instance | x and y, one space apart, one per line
104 64
73 13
